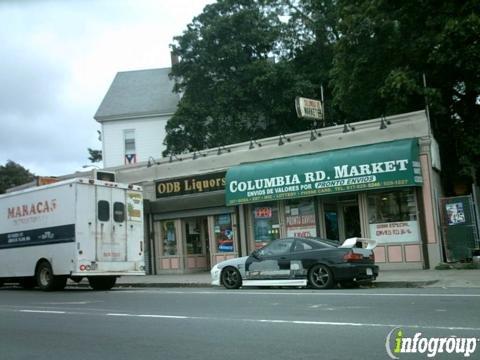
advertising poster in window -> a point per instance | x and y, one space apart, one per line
134 206
395 232
301 226
223 233
455 213
300 219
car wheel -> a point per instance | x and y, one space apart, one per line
231 278
320 277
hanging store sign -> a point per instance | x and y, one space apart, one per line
190 185
308 108
383 165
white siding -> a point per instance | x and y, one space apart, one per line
149 135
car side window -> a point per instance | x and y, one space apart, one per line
279 247
301 245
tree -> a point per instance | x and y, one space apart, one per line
385 48
370 56
235 84
13 174
95 155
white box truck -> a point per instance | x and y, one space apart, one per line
78 228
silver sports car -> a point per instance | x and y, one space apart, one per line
300 262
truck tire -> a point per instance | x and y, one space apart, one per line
46 280
102 282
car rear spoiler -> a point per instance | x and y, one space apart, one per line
368 244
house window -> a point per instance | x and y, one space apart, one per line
130 153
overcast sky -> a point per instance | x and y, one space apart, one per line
57 61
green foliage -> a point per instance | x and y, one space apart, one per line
370 56
95 155
13 174
234 85
386 47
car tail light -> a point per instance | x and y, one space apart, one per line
351 257
372 256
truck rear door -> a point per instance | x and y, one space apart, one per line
111 230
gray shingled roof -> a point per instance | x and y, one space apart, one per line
138 93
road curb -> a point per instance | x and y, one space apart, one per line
380 284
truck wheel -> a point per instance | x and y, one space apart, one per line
46 280
28 282
102 282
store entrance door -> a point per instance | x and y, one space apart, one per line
197 252
342 218
351 216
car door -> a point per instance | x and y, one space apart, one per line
270 262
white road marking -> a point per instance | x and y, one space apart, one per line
72 303
264 321
291 293
152 316
43 311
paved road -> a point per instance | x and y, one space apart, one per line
207 323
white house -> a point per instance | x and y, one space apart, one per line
133 115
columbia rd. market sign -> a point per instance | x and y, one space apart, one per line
383 165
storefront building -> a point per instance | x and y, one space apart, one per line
380 179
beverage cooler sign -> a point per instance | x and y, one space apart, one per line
393 232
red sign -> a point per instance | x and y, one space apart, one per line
263 213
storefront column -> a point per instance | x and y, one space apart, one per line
321 219
433 245
363 211
242 231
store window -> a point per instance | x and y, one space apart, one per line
169 238
222 228
300 218
193 230
393 216
266 226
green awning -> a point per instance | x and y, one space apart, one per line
369 167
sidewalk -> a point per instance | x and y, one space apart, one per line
391 278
